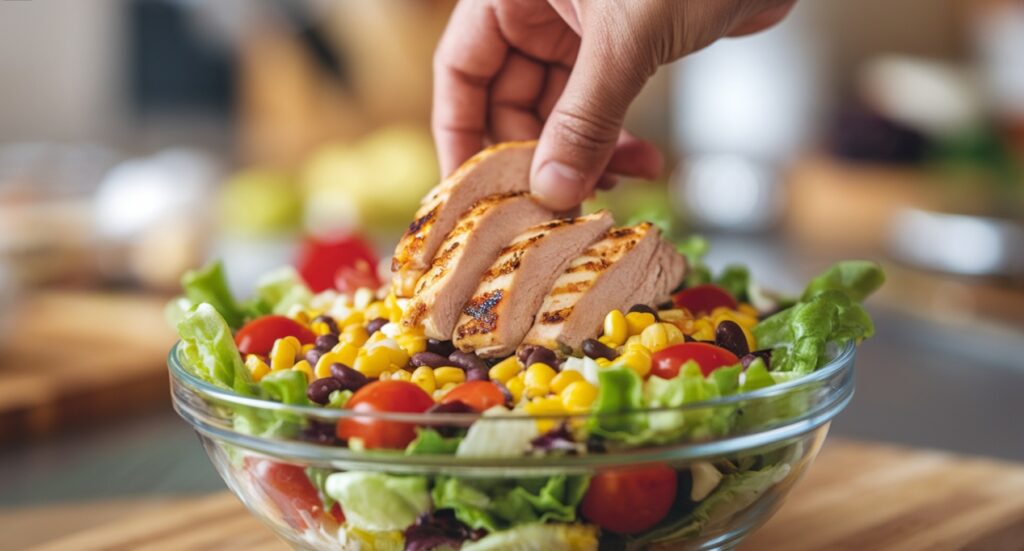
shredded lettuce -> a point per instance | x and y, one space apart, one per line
497 504
492 436
208 284
379 502
430 442
278 291
209 351
539 537
855 278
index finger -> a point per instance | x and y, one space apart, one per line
471 52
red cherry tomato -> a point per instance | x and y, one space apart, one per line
288 487
630 500
667 361
704 299
337 514
350 278
258 336
479 395
319 260
381 396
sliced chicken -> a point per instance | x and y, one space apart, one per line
631 265
501 310
463 257
503 168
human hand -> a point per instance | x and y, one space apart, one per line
566 71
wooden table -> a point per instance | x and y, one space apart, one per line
856 496
73 357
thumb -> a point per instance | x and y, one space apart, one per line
581 132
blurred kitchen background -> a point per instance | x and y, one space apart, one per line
140 138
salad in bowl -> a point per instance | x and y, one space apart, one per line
526 381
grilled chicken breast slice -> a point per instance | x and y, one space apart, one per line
465 254
501 310
614 273
503 168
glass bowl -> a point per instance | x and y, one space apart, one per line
774 435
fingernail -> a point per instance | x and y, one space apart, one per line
558 185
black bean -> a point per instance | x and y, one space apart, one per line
730 336
321 433
466 360
451 429
667 305
429 359
442 348
349 378
764 353
313 356
320 390
542 355
477 374
325 343
523 354
331 324
593 348
375 324
645 308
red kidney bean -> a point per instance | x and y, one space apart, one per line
349 378
331 324
730 336
645 308
441 348
429 359
375 324
466 360
593 348
313 356
320 390
523 354
477 374
542 355
325 343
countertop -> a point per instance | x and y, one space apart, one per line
855 496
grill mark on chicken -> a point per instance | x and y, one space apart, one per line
481 310
549 318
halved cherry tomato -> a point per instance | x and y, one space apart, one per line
258 336
319 260
479 395
337 514
288 487
381 396
630 500
703 299
351 278
667 361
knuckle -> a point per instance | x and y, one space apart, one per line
588 131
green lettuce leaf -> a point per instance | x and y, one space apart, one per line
538 537
286 386
379 502
278 291
208 284
430 442
736 280
318 477
497 504
209 351
856 278
493 436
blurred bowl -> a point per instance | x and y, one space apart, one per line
958 243
265 471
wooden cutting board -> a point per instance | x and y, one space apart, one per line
856 496
70 358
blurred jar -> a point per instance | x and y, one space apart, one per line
742 109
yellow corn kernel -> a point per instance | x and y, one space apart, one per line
654 337
300 316
516 387
401 375
742 320
355 334
578 396
636 322
397 357
320 328
376 309
703 330
563 380
448 374
394 310
615 328
412 344
423 377
675 336
304 367
362 298
637 347
355 317
633 339
608 341
284 352
673 315
257 367
547 405
748 310
373 362
639 362
602 362
505 369
537 380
